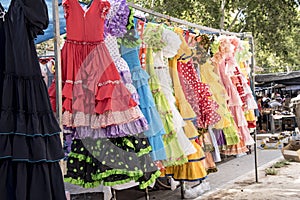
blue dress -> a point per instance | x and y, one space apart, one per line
147 105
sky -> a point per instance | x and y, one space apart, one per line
49 31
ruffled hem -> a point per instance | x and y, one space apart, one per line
199 155
248 139
89 159
31 124
142 184
139 77
236 149
131 128
134 175
128 153
20 179
145 184
209 163
191 171
31 149
158 149
101 120
155 124
82 183
111 95
231 135
117 19
175 161
112 167
25 106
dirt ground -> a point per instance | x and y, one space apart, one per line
284 185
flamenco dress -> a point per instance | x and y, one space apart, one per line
106 149
196 92
224 61
130 53
226 123
175 154
242 57
192 170
30 146
173 42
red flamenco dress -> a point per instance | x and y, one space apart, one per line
91 83
95 99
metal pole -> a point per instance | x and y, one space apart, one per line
182 189
251 41
57 54
180 21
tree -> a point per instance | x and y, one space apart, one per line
273 23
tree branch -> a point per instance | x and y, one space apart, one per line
235 18
222 11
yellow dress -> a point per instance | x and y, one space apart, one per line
226 123
194 169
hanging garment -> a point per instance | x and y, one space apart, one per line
161 67
99 105
110 162
224 61
198 95
175 154
47 65
206 142
92 85
30 146
193 170
117 18
196 92
147 105
226 123
130 128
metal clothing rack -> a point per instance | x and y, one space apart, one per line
209 30
183 22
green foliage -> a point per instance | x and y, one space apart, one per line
275 25
280 164
271 171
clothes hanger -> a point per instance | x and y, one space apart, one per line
89 4
2 12
86 2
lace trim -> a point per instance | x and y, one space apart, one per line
72 82
100 120
84 42
99 84
109 82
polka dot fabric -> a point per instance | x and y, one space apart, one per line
198 95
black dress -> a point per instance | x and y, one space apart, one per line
30 146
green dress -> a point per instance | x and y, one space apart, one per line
175 154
